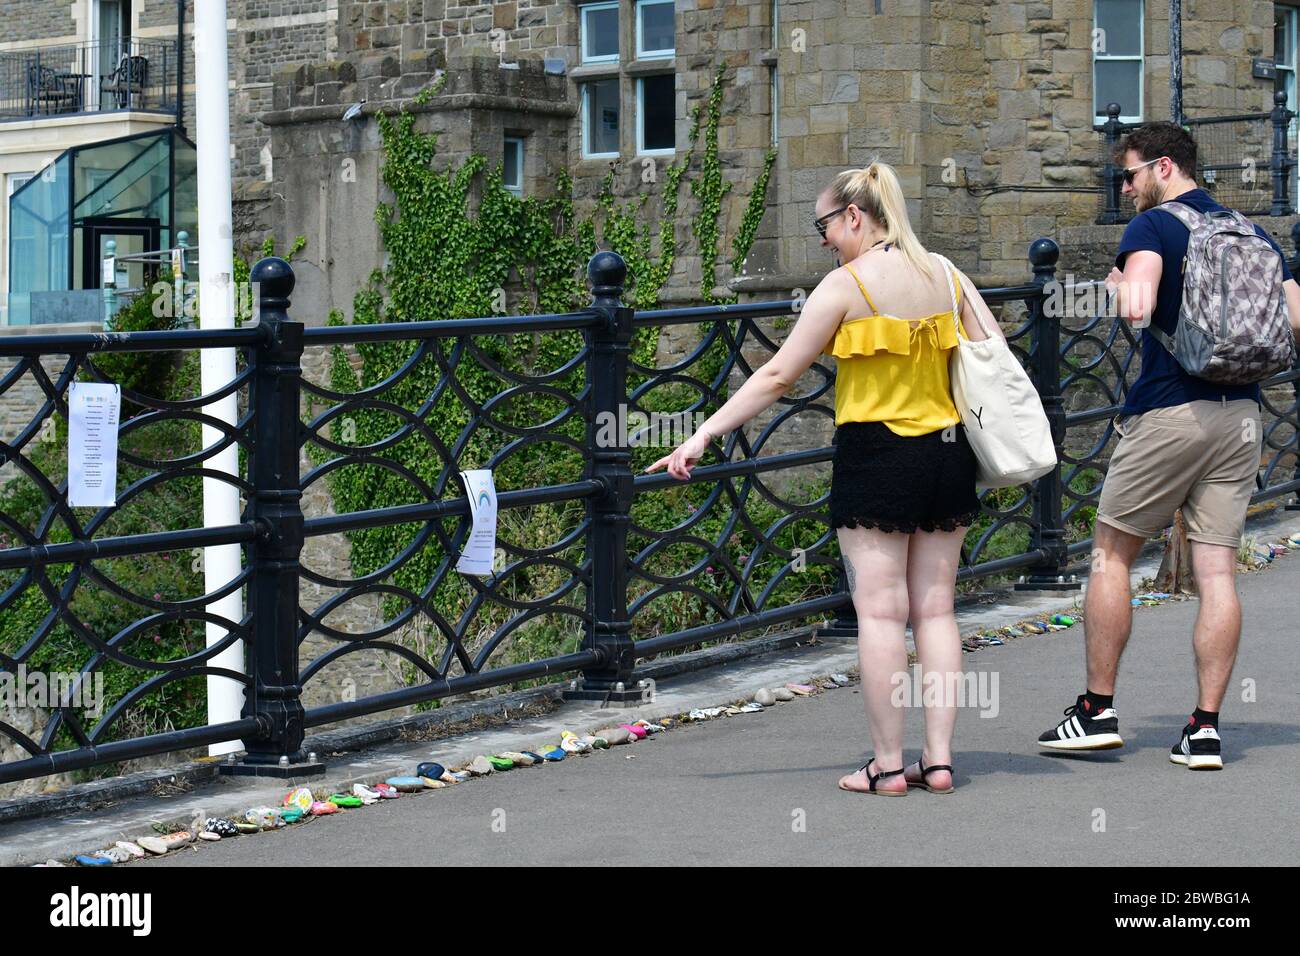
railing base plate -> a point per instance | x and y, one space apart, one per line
1055 582
617 696
307 768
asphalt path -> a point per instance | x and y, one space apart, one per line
761 788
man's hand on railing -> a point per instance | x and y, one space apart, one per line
684 456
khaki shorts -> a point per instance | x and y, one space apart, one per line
1200 456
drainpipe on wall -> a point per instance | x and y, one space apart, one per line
217 311
180 65
1176 61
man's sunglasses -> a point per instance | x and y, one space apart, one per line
1131 171
821 221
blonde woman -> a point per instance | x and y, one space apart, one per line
903 473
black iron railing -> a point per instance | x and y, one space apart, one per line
1082 359
95 77
1247 161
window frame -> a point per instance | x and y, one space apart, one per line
519 144
587 87
641 54
1139 58
583 11
1292 16
641 149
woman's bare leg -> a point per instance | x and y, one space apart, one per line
875 563
932 561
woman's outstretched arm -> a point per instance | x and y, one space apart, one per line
821 315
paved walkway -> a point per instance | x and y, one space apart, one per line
760 789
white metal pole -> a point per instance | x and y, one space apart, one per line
217 311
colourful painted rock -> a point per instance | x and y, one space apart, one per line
365 794
405 784
343 800
94 861
300 798
220 826
431 770
268 818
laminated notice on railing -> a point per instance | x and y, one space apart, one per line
480 549
93 412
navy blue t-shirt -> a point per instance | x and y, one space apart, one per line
1162 382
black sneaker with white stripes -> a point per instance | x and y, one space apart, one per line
1082 730
1198 748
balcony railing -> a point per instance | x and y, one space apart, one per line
95 77
1247 162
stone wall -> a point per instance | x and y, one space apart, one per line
41 19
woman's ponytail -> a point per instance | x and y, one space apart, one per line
875 190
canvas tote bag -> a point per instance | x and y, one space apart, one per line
999 407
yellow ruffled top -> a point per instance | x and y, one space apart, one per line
895 370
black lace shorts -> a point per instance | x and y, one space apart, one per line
900 483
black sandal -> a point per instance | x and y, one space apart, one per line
926 771
871 780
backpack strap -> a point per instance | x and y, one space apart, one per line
1191 218
1161 336
1184 213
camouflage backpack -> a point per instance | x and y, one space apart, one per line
1233 327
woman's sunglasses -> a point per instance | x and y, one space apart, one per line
821 221
1131 171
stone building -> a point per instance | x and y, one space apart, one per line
987 109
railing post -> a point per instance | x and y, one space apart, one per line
1048 531
1281 159
1109 171
608 513
1294 504
275 507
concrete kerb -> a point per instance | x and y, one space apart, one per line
763 662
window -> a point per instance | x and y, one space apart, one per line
1284 61
655 33
600 119
1117 43
16 181
513 165
599 29
1284 44
775 95
656 99
774 81
648 28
